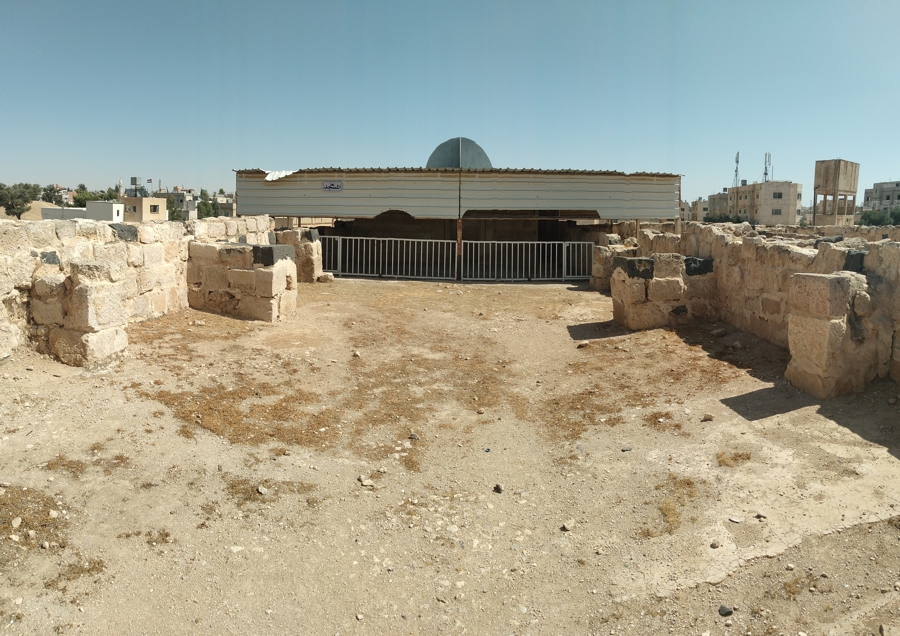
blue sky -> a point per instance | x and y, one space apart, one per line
187 91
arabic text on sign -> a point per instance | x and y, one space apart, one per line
332 186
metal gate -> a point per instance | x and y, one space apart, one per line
509 261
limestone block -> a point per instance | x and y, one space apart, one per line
146 233
203 252
629 291
214 277
668 265
177 298
41 234
244 280
86 349
258 308
162 275
184 247
97 271
705 287
236 256
645 316
76 249
158 301
87 228
13 237
131 284
139 308
270 281
820 295
194 273
771 307
224 302
241 226
754 277
174 231
9 340
172 250
49 312
64 229
134 254
154 254
215 229
665 289
231 228
196 298
816 343
251 223
198 229
21 268
309 261
111 253
597 283
287 303
95 306
49 285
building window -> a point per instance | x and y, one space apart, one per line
776 212
757 195
706 209
776 195
888 197
134 208
798 196
154 209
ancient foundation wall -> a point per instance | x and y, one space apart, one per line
764 285
257 282
70 286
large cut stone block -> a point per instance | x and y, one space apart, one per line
96 306
267 255
243 280
236 256
635 267
97 271
309 261
668 265
665 289
50 285
9 340
47 312
80 349
270 281
154 254
258 308
203 252
628 291
645 316
822 295
816 343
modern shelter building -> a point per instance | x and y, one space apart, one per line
499 223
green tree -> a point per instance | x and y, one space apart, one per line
880 217
51 194
16 199
221 191
215 208
175 213
204 195
81 197
81 186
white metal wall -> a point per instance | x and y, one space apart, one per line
439 195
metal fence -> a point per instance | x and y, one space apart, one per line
509 261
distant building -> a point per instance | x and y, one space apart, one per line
111 211
685 211
768 203
834 192
699 209
882 196
718 204
143 209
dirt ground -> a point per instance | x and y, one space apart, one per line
423 458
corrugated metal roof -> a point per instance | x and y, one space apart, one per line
272 175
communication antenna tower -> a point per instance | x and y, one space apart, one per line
768 169
737 176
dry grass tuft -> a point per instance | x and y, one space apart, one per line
33 508
62 464
662 421
676 493
733 458
243 491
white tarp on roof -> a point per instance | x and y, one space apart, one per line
275 175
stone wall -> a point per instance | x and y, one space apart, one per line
754 286
257 282
307 253
665 289
70 286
